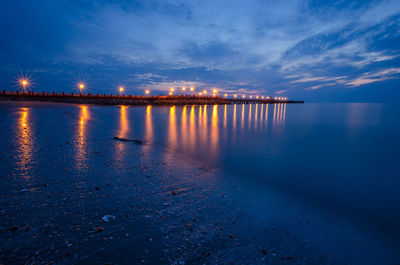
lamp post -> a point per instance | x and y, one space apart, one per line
24 83
121 89
81 86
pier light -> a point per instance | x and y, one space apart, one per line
171 89
262 97
275 98
81 86
147 92
251 96
205 92
170 93
192 88
183 88
243 96
215 91
24 83
121 89
285 98
267 97
235 96
256 96
225 95
200 94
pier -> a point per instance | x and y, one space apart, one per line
111 99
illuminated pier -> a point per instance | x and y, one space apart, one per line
111 99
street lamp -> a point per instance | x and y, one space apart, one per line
81 86
146 92
24 83
121 89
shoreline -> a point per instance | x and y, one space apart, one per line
169 207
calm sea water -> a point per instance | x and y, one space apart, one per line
337 159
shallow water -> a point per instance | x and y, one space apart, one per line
329 172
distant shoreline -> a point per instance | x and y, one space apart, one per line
103 99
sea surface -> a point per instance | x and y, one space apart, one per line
312 183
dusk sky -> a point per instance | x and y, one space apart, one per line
309 50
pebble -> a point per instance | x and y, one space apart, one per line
108 218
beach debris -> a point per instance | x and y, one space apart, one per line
264 252
14 228
108 218
189 227
99 229
138 142
174 192
97 188
23 190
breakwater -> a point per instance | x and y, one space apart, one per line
110 99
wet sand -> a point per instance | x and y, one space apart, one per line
168 211
168 208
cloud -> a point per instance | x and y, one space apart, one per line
372 77
280 92
251 47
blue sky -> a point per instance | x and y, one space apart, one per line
311 50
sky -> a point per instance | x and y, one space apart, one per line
327 51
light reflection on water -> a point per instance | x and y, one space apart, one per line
81 138
24 139
309 150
